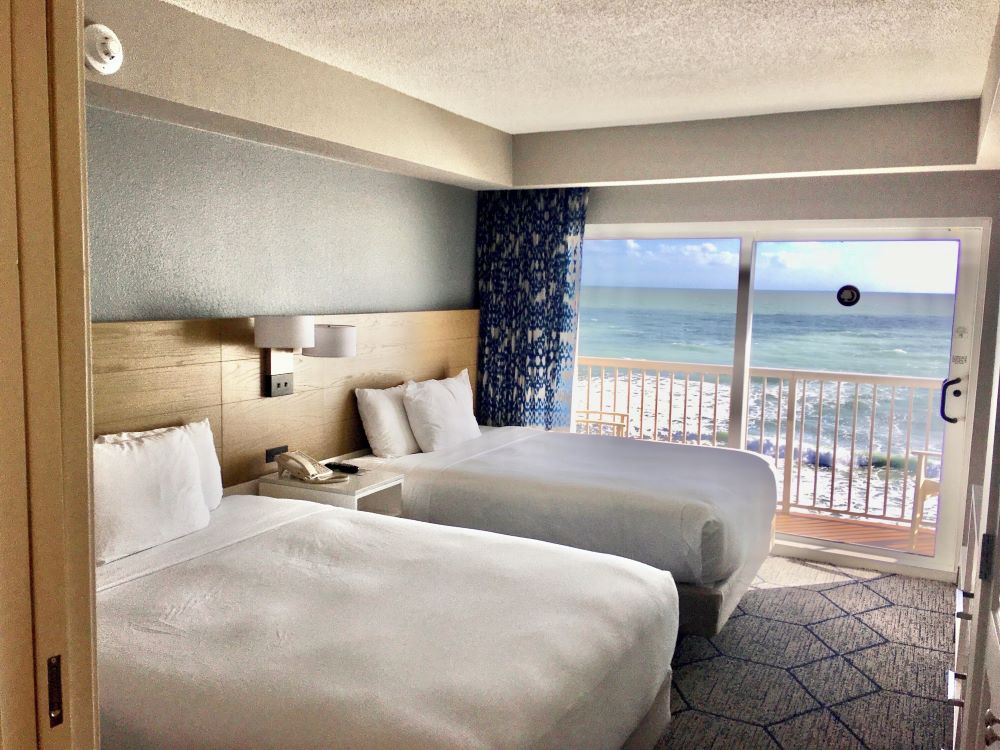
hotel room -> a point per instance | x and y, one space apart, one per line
499 375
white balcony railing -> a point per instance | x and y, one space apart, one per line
843 444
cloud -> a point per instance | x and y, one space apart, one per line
877 266
661 262
707 254
924 266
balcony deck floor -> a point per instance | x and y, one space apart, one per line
862 533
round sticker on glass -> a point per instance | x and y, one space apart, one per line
848 295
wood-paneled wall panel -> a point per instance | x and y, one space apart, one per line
170 372
383 329
320 422
135 394
236 338
121 347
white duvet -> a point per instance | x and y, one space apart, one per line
286 624
696 511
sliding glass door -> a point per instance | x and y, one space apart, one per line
824 349
853 338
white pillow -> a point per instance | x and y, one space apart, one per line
204 446
146 491
385 421
440 412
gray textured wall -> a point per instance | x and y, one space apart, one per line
187 224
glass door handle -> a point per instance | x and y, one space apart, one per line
944 398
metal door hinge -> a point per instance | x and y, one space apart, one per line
986 557
960 599
953 679
54 665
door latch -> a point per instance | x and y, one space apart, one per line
986 557
948 383
54 665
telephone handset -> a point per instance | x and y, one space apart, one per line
300 466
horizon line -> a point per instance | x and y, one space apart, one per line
733 289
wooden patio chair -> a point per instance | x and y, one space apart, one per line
596 422
924 488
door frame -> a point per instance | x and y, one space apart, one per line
17 693
973 232
979 645
43 168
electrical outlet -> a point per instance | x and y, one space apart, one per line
279 385
271 453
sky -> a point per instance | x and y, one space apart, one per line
927 266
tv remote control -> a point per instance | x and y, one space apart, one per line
345 468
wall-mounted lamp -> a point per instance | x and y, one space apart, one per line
277 336
333 341
283 331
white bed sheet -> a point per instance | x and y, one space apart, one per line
286 624
699 512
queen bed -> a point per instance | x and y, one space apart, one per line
705 514
290 624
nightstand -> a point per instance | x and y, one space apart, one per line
371 491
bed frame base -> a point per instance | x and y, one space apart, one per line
654 723
705 609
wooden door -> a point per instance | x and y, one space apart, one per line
45 537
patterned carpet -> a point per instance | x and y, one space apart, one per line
819 656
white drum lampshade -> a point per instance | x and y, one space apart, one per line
334 341
283 331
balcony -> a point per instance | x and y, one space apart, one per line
857 457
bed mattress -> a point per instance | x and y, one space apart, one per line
699 512
295 625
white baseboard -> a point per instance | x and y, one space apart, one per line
870 558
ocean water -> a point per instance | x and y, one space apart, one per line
889 334
885 334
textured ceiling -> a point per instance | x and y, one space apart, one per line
530 65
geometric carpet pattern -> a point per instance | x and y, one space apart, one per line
819 656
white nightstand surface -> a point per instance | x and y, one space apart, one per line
358 485
383 489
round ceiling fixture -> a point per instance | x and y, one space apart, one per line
848 295
102 49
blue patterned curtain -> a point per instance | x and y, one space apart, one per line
528 258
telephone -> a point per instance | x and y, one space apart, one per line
300 466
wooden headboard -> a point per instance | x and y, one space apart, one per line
155 374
